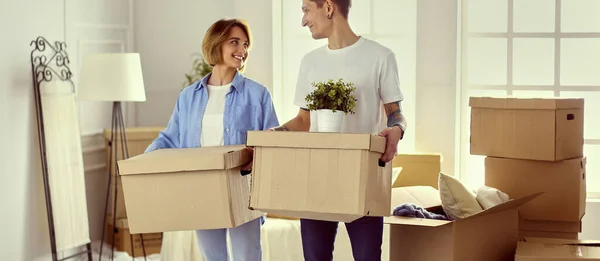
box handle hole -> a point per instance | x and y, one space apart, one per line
570 116
381 163
245 172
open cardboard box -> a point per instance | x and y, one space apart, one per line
490 235
187 189
321 176
547 249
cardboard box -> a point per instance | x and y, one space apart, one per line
548 234
187 189
418 169
490 235
563 184
322 176
522 128
152 241
545 249
138 139
550 226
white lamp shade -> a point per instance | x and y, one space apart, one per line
111 77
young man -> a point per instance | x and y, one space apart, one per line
373 70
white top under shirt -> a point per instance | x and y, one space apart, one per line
370 66
212 121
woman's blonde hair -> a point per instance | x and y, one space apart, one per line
217 34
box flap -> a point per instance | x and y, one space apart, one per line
513 203
560 241
423 196
187 159
573 250
526 103
410 221
293 139
418 157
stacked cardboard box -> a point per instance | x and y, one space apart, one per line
545 249
534 145
132 245
138 139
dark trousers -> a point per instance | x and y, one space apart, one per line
366 236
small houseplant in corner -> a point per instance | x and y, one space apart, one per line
199 69
331 100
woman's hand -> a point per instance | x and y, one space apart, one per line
248 167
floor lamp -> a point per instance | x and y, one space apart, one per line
116 78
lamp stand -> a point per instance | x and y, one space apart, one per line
117 127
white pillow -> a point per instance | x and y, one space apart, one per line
489 197
457 200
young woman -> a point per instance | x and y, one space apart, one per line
219 110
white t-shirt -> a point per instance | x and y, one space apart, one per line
212 121
370 66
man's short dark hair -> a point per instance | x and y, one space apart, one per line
344 5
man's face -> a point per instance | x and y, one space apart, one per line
315 18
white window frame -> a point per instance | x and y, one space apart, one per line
510 35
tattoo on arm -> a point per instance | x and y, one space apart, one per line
395 117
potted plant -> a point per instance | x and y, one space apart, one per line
331 100
199 69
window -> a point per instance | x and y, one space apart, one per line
369 18
531 48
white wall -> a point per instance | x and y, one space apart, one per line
23 221
91 25
436 80
168 34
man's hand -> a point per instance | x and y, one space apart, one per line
248 167
280 128
392 136
395 131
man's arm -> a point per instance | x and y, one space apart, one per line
393 111
299 123
395 131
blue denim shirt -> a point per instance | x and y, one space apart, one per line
248 106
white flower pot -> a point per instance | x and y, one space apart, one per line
329 121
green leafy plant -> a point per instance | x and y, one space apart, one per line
330 95
199 69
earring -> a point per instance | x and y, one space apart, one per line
329 16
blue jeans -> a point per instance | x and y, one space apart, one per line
245 242
366 238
